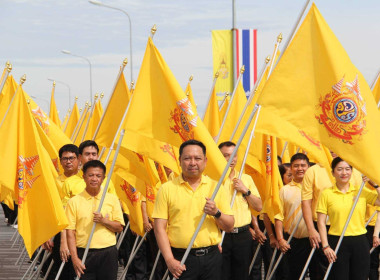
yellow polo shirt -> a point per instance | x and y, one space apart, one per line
183 207
240 209
60 180
337 206
75 185
291 211
79 212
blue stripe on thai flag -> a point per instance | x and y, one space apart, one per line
246 54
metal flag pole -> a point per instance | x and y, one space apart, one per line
252 94
279 39
33 263
212 90
80 121
8 67
284 149
88 113
282 254
307 263
344 229
49 269
223 101
60 270
89 117
155 265
243 163
370 219
121 238
255 256
219 184
103 197
131 257
38 271
22 81
271 262
22 254
125 61
242 69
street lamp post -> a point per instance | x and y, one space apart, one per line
98 3
89 63
68 87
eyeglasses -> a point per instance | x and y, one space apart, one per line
64 159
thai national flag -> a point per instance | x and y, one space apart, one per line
246 54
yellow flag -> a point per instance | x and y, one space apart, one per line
236 108
273 180
189 94
223 60
113 114
212 116
65 120
132 198
223 108
376 89
94 121
53 114
7 196
6 95
27 172
72 121
317 90
160 110
152 188
82 126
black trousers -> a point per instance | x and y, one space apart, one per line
374 259
297 256
152 250
101 264
319 263
353 258
207 267
237 255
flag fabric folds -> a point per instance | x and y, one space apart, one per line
27 171
324 97
53 113
160 110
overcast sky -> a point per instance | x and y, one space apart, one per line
33 33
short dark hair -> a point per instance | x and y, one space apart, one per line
300 156
335 162
68 148
87 143
283 167
226 144
94 164
279 158
192 142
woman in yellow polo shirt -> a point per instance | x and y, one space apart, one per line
353 259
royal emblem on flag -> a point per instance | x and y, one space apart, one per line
41 118
184 119
25 176
150 193
310 139
343 112
268 158
130 191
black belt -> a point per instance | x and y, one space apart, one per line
198 252
240 229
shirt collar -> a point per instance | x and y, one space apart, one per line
350 189
293 183
204 180
87 196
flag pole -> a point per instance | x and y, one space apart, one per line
243 163
80 120
8 69
373 83
271 273
279 39
212 90
219 183
223 101
284 149
89 118
103 197
344 229
121 238
255 256
242 69
125 62
155 264
132 256
22 81
252 94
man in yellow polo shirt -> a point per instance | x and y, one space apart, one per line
102 258
237 245
179 206
287 219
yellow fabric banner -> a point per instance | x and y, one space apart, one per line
53 113
27 171
222 58
212 116
317 90
72 121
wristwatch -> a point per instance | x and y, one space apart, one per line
247 194
218 214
